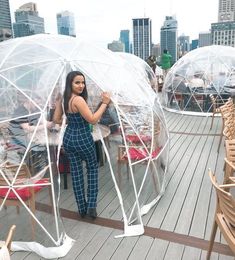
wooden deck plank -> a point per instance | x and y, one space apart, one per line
197 173
171 182
20 255
191 253
182 191
109 248
141 248
83 233
174 251
201 211
157 250
95 244
124 248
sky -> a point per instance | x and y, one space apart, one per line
100 21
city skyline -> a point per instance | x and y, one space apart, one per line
101 21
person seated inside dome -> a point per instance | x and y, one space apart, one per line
25 121
179 84
197 81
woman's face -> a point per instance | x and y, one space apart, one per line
78 85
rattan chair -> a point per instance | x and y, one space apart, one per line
227 112
216 104
224 215
229 168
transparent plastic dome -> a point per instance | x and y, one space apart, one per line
32 76
143 70
201 72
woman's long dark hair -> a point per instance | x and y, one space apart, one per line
68 89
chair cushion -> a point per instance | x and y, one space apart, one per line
135 138
141 153
64 166
24 193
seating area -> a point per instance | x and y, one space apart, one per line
225 205
180 225
224 215
22 193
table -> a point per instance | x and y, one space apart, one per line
99 132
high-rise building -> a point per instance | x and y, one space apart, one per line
226 11
5 20
142 37
27 21
156 51
116 46
183 45
204 39
194 44
223 32
66 23
169 32
125 39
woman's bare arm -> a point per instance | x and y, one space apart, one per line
57 117
80 105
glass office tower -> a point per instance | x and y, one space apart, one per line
169 37
27 21
125 39
5 20
66 23
142 37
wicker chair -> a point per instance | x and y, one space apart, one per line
216 104
224 215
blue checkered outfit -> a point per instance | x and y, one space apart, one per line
79 146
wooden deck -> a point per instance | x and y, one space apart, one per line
178 227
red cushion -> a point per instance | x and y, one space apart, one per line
141 153
64 166
24 193
135 138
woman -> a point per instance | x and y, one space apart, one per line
78 142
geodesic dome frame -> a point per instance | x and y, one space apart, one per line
144 71
199 73
32 74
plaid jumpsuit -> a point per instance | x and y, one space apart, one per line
79 146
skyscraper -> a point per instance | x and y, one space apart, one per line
66 23
169 32
116 46
142 37
223 32
204 39
125 39
194 44
5 20
27 21
183 45
226 11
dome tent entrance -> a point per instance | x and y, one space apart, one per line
32 72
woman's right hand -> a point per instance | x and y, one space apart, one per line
105 98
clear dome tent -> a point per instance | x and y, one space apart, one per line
145 72
199 73
32 75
